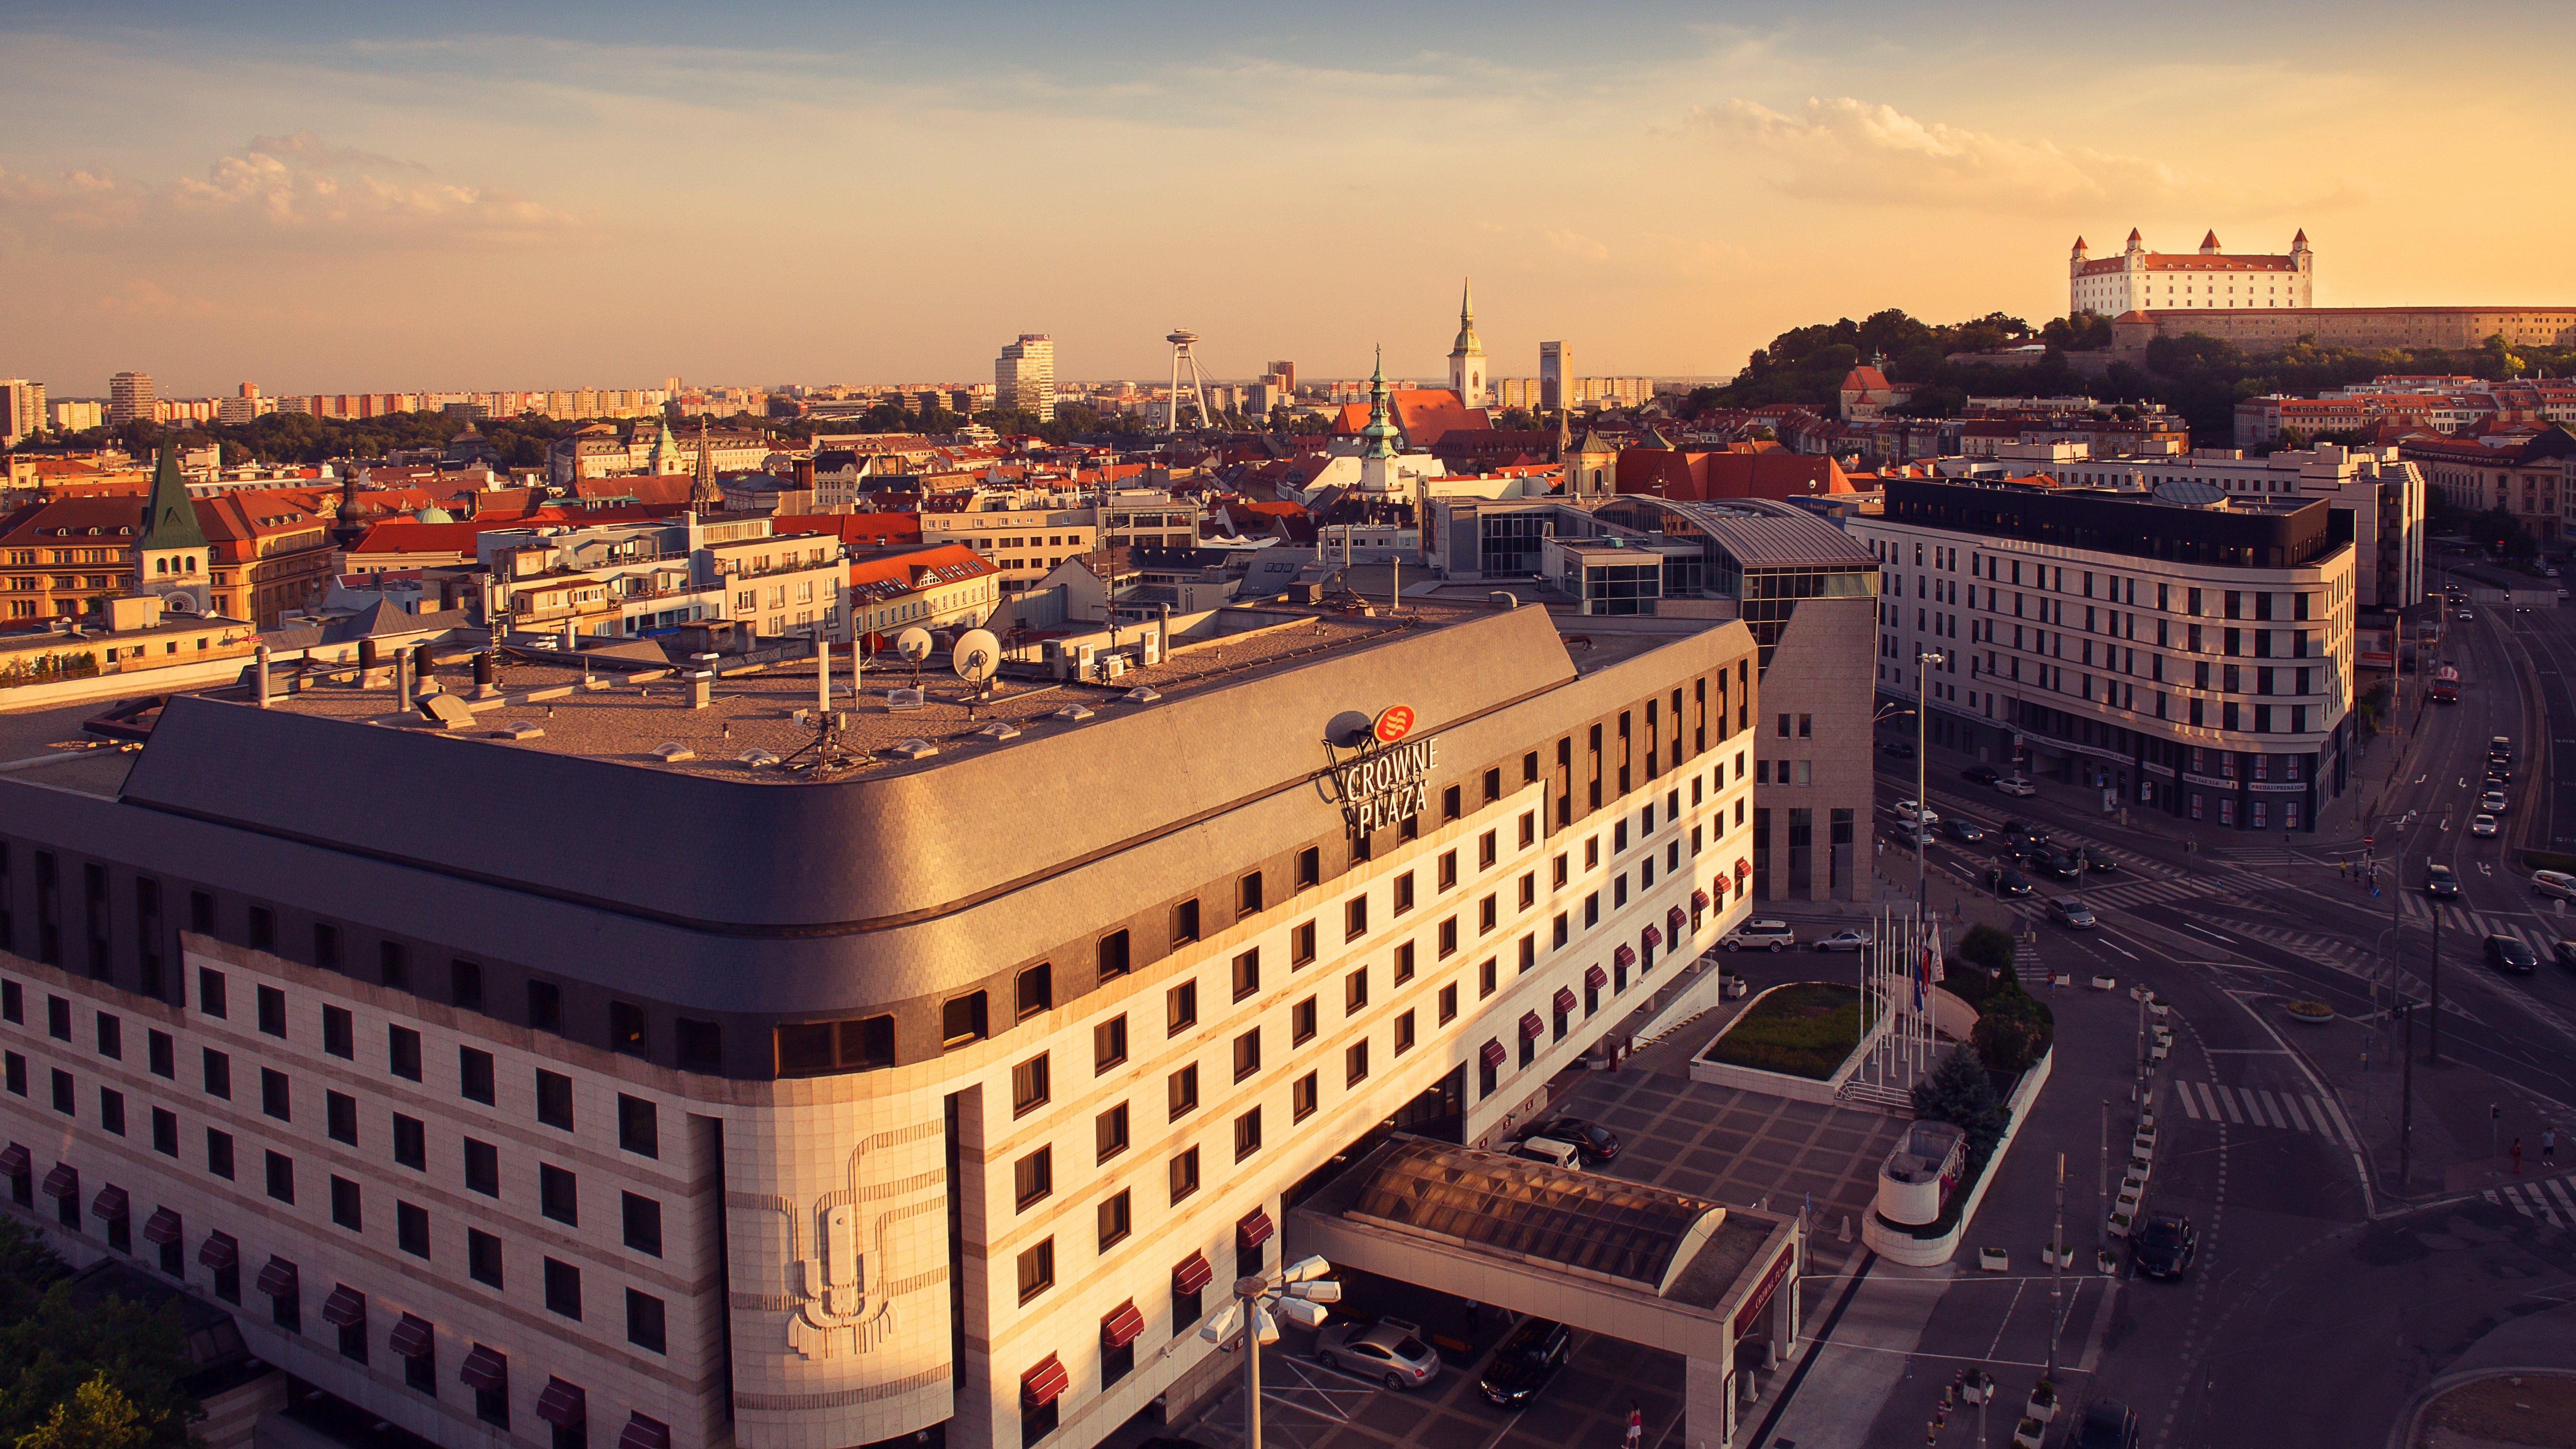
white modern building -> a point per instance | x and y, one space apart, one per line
1024 376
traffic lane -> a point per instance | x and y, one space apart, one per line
2553 634
2080 813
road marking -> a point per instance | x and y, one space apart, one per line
2190 1106
2106 942
2227 1099
2202 931
2290 1104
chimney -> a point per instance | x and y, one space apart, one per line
259 675
822 672
402 680
702 681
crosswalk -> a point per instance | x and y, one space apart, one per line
2259 1107
2548 1199
2539 933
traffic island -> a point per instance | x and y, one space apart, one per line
2523 1411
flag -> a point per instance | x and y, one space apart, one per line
1922 976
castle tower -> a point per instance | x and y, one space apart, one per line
1592 469
171 554
2209 243
1467 354
1377 440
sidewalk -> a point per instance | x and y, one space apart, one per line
2463 1119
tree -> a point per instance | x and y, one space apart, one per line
1990 947
1960 1093
51 1350
2013 1028
96 1416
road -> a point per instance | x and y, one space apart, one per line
2328 1289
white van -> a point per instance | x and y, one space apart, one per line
1550 1151
2554 883
1759 935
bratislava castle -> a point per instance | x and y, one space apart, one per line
2138 280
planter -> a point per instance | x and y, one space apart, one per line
2120 1224
2309 1011
1994 1260
2108 1262
1975 1387
2043 1402
2062 978
2129 1203
2143 1145
2106 983
2157 1009
2026 1434
2056 1253
2159 1051
2139 1167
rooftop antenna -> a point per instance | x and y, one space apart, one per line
974 657
913 646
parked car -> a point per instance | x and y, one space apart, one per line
2163 1246
1913 811
1597 1143
2482 825
1759 935
2440 883
2016 786
1549 1151
2492 802
1963 830
2564 953
1524 1362
2071 913
2554 883
1981 774
2004 882
1847 939
2107 1424
2098 861
1390 1350
1897 749
2509 955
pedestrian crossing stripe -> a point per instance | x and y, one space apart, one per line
2256 1107
2539 938
2548 1199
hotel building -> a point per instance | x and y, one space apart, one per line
545 1084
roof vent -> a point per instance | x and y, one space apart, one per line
1000 730
672 752
1143 694
755 759
899 700
520 729
1501 600
915 748
1073 714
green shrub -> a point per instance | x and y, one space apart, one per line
1805 1030
1990 948
2014 1028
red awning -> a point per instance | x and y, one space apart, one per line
1492 1053
1564 1001
1700 900
110 1202
1531 1025
1679 920
413 1336
486 1370
278 1279
1192 1274
1624 956
563 1405
63 1181
345 1308
643 1433
1743 867
1651 936
1594 978
15 1161
1040 1385
1254 1229
219 1252
1122 1325
164 1226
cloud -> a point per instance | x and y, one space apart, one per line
288 191
1851 150
143 297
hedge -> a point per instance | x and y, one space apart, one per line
1804 1030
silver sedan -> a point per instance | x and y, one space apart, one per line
1390 1350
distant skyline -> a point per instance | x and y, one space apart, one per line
473 196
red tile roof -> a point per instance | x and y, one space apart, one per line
855 530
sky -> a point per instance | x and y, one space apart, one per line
472 195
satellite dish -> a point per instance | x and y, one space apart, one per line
975 655
913 644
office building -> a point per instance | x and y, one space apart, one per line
567 1072
2180 648
1555 371
130 398
1024 376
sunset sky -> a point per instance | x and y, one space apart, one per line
471 195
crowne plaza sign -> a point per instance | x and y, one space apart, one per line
1389 778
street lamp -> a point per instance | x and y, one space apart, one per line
1297 1295
1923 661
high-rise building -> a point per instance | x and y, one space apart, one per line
129 396
1024 376
1555 365
22 408
1286 372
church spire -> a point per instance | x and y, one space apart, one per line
1378 438
704 495
169 518
1467 344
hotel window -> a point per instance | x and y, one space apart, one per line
1449 804
961 1020
1247 896
1117 1220
1247 974
1109 1133
1487 916
1448 869
1403 1033
1247 1134
1448 938
1185 1174
1185 922
1355 991
1403 893
1033 1178
1301 1022
1247 1054
1354 918
1029 1085
1180 1008
1310 868
1355 1063
1485 978
1183 1091
1037 1270
1115 956
1301 945
1036 990
1403 962
1302 1098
